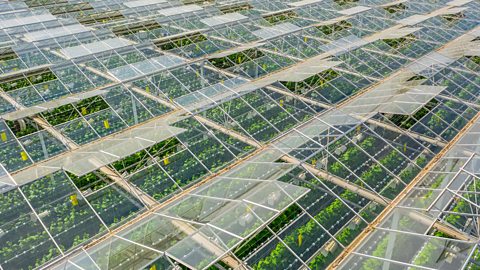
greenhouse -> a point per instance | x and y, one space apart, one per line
239 134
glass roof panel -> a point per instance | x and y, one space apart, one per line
151 134
95 47
55 32
18 217
223 19
141 3
179 10
26 21
442 253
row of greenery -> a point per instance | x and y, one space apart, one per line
168 165
64 212
274 114
317 80
27 81
280 17
236 58
334 211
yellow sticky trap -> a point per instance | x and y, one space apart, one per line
153 267
405 147
305 39
74 200
222 81
45 87
84 111
166 161
106 124
147 89
281 102
300 239
23 155
359 129
314 162
264 66
3 136
239 59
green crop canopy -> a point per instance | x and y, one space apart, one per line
246 134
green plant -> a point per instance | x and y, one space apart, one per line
335 27
280 17
395 8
